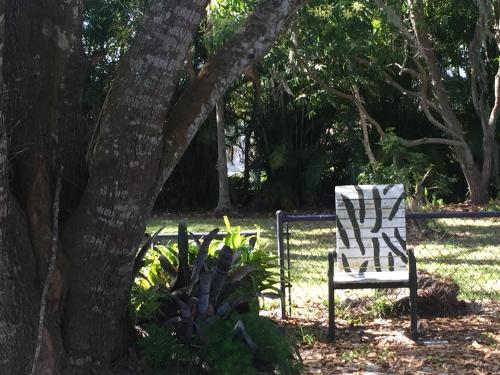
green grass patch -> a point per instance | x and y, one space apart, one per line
467 250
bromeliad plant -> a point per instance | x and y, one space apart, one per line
194 289
208 276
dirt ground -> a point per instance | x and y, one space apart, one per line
465 344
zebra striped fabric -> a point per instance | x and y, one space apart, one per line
371 228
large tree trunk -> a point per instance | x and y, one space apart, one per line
477 182
102 236
39 37
88 317
18 288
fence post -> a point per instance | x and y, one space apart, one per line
281 255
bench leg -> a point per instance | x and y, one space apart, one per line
331 317
413 313
413 295
331 298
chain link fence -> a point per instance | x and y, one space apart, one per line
460 247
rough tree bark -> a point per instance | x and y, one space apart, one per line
141 139
18 287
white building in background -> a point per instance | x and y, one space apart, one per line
236 158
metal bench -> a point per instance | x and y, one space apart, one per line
371 245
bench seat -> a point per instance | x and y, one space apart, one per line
355 280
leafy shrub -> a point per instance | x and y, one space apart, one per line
493 205
150 286
274 350
413 169
162 352
223 352
201 300
270 350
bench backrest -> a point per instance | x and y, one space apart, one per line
371 228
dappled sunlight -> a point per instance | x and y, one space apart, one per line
451 345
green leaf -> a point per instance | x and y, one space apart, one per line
376 24
227 224
357 6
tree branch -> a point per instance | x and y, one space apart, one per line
397 21
132 119
427 141
327 87
312 75
427 104
404 69
358 100
408 143
391 81
423 46
427 49
251 43
364 128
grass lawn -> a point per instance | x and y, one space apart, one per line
466 250
199 223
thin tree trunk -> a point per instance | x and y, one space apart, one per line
364 128
224 202
257 126
246 154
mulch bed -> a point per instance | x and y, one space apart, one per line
462 344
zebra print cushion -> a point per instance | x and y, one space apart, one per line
371 228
